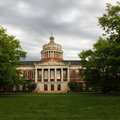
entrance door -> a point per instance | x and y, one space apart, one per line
52 87
59 87
45 87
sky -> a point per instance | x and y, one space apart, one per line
74 24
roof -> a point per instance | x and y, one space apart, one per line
72 62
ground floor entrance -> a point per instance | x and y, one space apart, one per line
52 87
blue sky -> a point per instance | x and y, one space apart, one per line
74 24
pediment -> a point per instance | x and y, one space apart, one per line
51 62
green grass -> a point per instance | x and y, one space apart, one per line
67 106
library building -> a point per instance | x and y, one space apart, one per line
52 73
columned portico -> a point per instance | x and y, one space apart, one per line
52 77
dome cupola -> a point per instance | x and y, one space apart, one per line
51 39
52 50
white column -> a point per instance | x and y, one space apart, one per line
42 75
68 76
55 75
36 75
48 74
62 74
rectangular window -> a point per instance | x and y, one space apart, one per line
52 74
64 73
71 74
51 55
39 74
27 75
77 74
45 74
33 74
58 74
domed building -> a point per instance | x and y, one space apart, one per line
52 51
51 73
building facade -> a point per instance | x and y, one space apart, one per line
51 73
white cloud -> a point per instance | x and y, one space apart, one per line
23 7
73 23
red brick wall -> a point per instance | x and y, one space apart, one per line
74 77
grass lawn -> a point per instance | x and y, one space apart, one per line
67 106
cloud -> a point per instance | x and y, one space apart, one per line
74 23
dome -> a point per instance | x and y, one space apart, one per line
52 50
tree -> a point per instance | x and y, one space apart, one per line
101 66
75 86
10 55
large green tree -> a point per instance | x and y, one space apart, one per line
101 65
10 55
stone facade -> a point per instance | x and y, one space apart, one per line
51 73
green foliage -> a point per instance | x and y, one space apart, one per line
32 86
10 54
101 66
74 86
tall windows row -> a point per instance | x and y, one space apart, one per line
74 74
29 74
52 54
51 75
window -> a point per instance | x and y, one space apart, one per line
64 73
58 74
52 74
39 74
45 87
45 74
77 74
71 74
59 87
27 75
33 74
52 87
51 54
